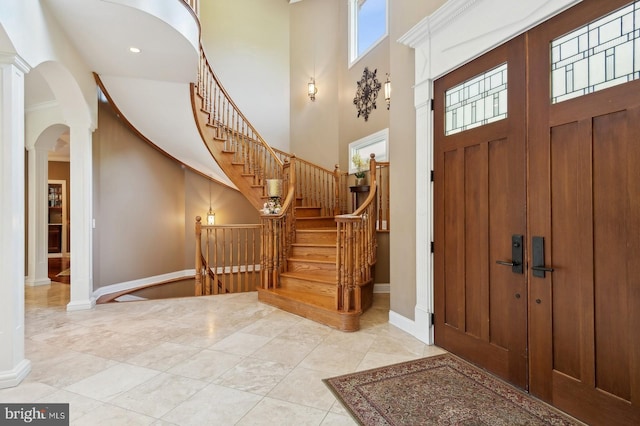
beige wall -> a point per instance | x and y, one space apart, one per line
315 125
404 15
230 207
145 206
247 43
322 130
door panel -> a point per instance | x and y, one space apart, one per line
584 178
566 175
480 186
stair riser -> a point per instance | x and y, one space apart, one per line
312 223
314 253
310 287
328 237
307 212
324 270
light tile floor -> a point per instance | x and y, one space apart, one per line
213 360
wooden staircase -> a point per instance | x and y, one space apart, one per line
309 285
316 261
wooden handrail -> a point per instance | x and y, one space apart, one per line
356 251
194 5
230 259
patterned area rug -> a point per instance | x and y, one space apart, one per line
440 390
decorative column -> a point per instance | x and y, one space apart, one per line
38 267
13 365
81 296
424 212
418 38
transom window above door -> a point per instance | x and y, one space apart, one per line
601 54
477 101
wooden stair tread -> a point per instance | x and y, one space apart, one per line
312 245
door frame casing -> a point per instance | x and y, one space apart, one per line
456 33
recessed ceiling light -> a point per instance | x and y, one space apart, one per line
134 50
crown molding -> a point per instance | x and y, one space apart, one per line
433 23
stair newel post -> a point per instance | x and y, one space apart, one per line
264 263
340 266
198 289
336 190
207 264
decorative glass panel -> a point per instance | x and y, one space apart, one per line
478 101
601 54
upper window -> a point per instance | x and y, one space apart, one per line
478 101
367 26
601 54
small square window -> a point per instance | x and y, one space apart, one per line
368 26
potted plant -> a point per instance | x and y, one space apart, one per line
360 165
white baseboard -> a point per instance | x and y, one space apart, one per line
13 377
382 288
411 327
143 282
36 283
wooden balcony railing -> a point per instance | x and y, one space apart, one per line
317 186
229 262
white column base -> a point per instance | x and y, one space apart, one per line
81 305
35 282
12 378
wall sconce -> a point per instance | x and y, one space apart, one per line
387 91
211 216
312 89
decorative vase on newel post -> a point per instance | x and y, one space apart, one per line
361 166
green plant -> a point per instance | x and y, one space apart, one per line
360 165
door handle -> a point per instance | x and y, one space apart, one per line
516 255
537 248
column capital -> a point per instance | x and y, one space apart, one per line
15 60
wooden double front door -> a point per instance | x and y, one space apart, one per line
537 226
